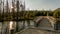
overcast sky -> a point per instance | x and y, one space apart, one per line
42 4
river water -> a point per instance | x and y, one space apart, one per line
6 25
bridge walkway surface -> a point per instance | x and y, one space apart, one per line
37 31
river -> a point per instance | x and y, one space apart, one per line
6 25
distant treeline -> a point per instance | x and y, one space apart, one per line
21 15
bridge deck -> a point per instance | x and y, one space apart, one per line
37 31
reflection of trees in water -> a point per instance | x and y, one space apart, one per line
0 28
5 29
21 25
28 22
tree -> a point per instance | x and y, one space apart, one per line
56 13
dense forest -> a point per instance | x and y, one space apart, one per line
31 14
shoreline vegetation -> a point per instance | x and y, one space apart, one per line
27 15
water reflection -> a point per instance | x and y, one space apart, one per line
0 27
8 26
12 25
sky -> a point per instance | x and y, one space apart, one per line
42 4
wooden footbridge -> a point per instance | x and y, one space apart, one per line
51 19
